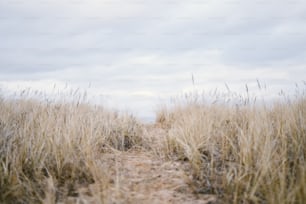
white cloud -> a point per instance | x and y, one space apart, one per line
140 52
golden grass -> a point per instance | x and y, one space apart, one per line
49 150
243 153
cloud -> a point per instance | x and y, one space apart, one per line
135 49
55 35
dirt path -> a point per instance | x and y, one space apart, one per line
141 176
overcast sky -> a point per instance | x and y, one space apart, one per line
136 53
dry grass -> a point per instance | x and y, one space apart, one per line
49 150
244 153
52 152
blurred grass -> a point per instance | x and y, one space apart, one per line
243 152
240 150
59 143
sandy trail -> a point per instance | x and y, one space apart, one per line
143 178
140 176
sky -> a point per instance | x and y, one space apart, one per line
137 54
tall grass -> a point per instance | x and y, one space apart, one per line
239 150
48 150
244 153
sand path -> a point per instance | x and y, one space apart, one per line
140 176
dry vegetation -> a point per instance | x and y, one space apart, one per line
48 151
244 153
77 153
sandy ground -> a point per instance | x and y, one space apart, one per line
141 176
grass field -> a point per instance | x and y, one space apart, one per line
196 152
